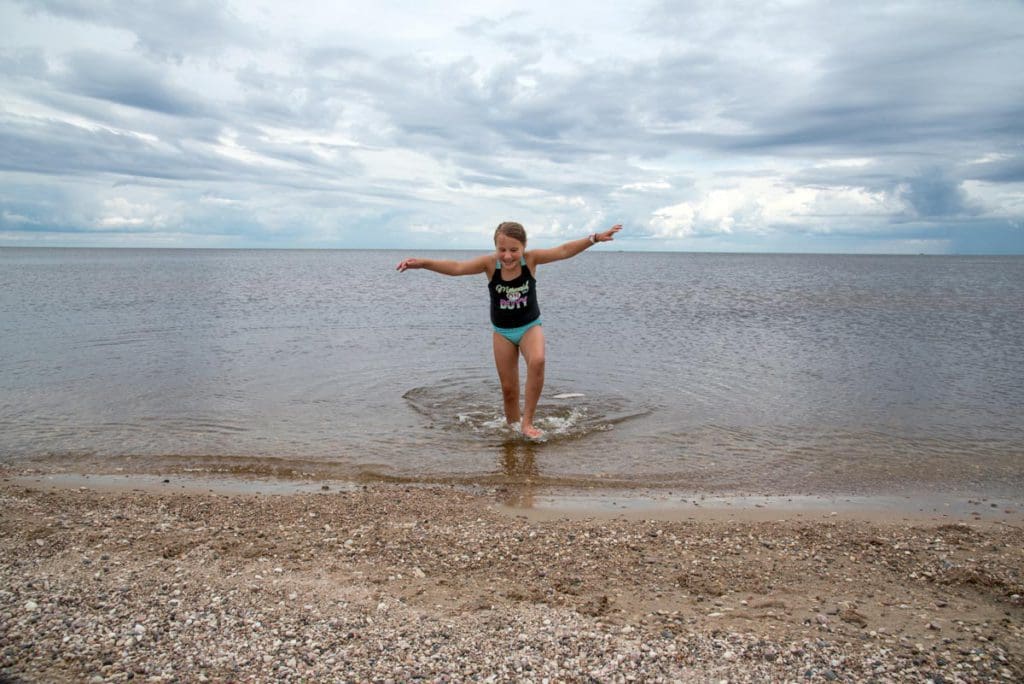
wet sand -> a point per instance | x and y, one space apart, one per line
128 578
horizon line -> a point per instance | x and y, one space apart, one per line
469 249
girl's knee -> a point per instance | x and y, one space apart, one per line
535 364
510 391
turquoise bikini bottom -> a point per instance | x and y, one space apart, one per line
514 335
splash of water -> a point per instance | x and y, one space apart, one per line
467 405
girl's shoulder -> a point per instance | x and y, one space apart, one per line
490 263
530 256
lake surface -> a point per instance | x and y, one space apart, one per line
701 372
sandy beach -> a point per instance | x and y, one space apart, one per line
396 583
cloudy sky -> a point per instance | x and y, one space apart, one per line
894 127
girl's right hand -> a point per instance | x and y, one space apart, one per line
411 262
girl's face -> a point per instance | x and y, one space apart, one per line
509 249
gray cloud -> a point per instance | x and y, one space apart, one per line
933 195
166 30
59 149
23 63
542 120
128 82
1009 169
853 76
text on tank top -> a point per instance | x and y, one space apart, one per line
513 302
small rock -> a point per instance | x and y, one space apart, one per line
852 616
31 606
934 626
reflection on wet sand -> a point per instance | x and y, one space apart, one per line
519 464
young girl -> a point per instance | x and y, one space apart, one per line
515 312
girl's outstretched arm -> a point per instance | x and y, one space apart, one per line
571 248
448 266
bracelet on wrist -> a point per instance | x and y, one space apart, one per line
593 238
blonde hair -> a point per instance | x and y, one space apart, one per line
511 229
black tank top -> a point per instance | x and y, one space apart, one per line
513 302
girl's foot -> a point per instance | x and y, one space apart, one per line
532 432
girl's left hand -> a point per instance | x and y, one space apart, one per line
608 235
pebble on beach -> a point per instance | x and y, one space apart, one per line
399 584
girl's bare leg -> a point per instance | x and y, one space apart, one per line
532 347
506 359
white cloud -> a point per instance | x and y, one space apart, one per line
996 200
220 201
10 217
646 186
990 157
758 206
675 221
850 163
122 213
